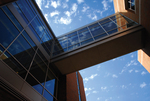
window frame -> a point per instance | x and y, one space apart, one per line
127 7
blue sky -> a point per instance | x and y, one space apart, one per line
119 79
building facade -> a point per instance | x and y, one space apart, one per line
37 66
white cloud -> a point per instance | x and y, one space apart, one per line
65 20
130 71
47 5
136 71
55 4
103 88
110 0
39 2
114 76
143 73
65 5
95 92
92 16
91 77
123 86
68 13
54 13
143 85
87 94
74 8
87 89
105 4
80 1
85 8
67 0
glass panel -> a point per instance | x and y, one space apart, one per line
22 51
97 30
48 96
45 47
84 35
73 40
63 43
50 82
29 39
20 12
38 69
34 32
81 30
38 27
74 33
49 45
120 21
116 16
62 38
112 31
42 56
12 18
109 26
10 61
87 41
25 9
31 6
1 51
45 38
132 6
100 36
7 29
73 47
94 25
104 21
34 84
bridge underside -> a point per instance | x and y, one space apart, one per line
100 51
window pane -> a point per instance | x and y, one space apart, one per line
42 56
38 69
73 47
63 43
73 40
81 30
74 33
45 47
100 36
10 61
109 26
97 30
50 82
45 38
8 30
87 41
112 31
12 18
84 35
25 9
48 96
22 51
34 84
120 21
104 21
1 51
33 31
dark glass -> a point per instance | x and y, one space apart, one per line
29 39
62 38
131 24
49 45
132 6
109 26
48 34
34 84
73 40
28 1
38 27
45 38
63 43
50 82
42 56
87 41
97 30
73 47
132 1
20 12
1 50
93 25
72 34
15 21
26 9
83 29
8 30
84 35
100 36
33 31
22 51
104 21
38 69
48 96
10 61
45 47
113 31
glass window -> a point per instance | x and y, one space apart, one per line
45 38
112 31
100 36
73 40
81 30
104 21
7 29
20 12
34 84
50 82
42 56
22 51
84 35
38 69
38 27
25 9
1 50
34 33
96 30
73 47
74 33
130 4
109 26
7 11
10 61
48 96
63 43
87 41
45 47
120 21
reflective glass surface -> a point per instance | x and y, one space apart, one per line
1 50
22 51
48 96
105 21
96 30
73 40
11 16
100 36
64 43
8 28
109 26
23 5
42 56
33 31
84 35
87 41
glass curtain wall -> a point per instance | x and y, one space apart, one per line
20 53
93 32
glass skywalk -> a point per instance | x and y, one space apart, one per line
92 32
